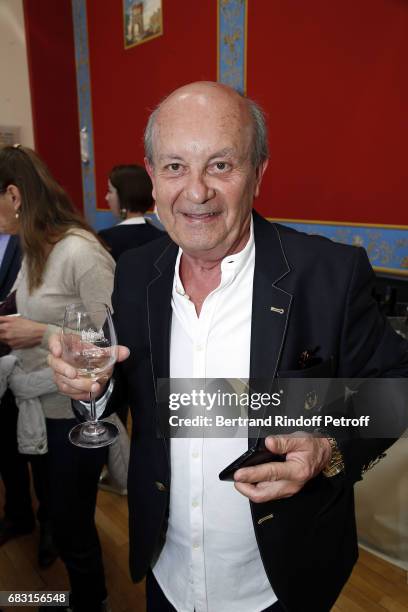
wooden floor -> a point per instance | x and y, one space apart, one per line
375 585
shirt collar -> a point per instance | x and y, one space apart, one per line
231 265
133 221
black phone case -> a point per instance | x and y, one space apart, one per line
253 456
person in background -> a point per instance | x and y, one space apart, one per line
129 196
63 262
18 516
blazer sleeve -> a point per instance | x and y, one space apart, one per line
369 347
119 393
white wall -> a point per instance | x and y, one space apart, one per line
15 100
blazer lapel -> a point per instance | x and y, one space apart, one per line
159 312
270 306
159 293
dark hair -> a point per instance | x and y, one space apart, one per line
46 211
134 187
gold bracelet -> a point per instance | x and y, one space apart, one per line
336 465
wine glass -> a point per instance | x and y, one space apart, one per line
89 344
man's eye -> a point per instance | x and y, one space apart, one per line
174 167
221 165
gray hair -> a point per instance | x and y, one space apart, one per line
148 133
260 149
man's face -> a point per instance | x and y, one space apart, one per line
203 180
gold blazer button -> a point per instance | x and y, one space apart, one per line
160 486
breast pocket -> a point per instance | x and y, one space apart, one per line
306 393
324 369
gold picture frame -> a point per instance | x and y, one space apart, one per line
142 21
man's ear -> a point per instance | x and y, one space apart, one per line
14 193
150 172
259 174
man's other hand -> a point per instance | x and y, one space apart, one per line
306 456
66 376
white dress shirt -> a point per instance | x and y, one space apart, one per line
210 561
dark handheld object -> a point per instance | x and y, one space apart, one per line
254 456
7 307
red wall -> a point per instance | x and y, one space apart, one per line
333 78
51 60
126 84
331 75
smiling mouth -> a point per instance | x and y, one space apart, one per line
201 216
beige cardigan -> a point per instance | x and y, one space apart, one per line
78 269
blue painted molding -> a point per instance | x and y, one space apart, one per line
232 29
104 219
84 104
387 247
99 219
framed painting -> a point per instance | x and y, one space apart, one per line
142 20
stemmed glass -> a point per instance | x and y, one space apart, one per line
89 344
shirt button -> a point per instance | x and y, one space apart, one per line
196 545
194 503
195 455
199 347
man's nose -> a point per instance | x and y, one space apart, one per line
197 189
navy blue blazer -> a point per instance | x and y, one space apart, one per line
307 542
9 266
121 238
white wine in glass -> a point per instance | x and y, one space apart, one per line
89 344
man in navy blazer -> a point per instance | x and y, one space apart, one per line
9 266
206 153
